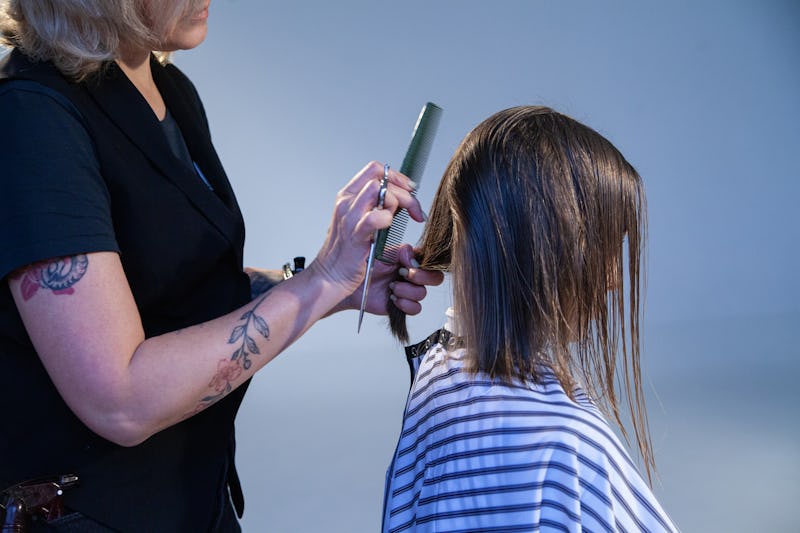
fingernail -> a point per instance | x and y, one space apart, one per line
413 184
392 297
414 263
403 272
424 216
391 286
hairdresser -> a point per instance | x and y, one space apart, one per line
129 329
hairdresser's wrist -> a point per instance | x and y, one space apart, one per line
337 295
347 303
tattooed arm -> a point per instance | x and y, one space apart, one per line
58 275
85 326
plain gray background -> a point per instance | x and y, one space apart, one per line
702 97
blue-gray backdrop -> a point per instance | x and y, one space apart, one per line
703 97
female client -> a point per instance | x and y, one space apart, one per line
540 222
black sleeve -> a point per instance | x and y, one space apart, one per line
53 199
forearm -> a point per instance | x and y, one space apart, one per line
172 376
90 338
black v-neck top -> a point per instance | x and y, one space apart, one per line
178 145
86 167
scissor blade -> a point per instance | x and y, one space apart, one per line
366 285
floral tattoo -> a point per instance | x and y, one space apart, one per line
59 275
230 369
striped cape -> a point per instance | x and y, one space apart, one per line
478 455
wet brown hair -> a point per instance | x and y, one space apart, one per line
541 222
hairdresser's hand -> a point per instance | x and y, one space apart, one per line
404 283
342 259
262 280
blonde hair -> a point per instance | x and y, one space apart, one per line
531 218
79 36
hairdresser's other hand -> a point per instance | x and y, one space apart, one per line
407 292
262 280
342 260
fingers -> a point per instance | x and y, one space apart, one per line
410 269
406 256
369 172
430 278
366 218
375 219
409 307
399 198
374 171
408 291
407 295
399 195
399 188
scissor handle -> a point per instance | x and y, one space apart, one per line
384 186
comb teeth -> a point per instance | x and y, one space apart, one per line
413 166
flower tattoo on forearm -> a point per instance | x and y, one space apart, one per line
59 275
228 370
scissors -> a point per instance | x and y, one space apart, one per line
371 258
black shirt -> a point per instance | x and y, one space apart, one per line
86 167
178 145
54 199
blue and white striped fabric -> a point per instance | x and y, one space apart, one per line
476 455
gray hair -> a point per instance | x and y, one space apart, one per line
78 36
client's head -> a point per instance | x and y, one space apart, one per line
540 221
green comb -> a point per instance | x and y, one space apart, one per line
413 166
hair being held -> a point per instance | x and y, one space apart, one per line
541 222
